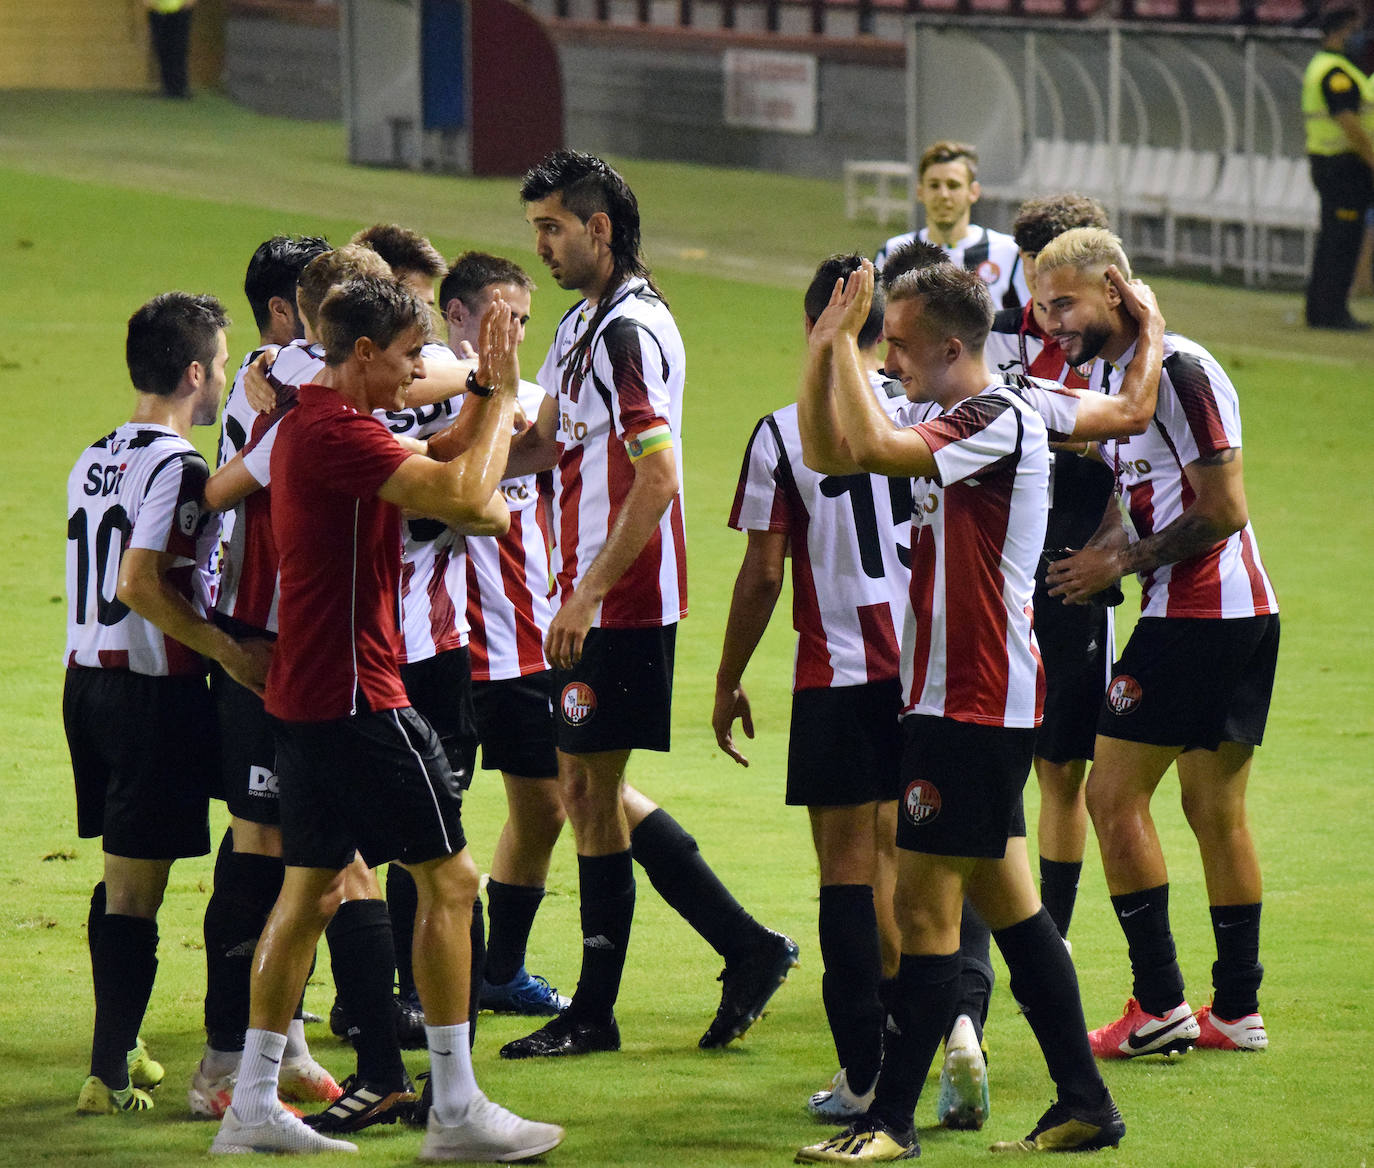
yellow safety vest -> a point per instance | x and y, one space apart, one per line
168 6
1324 133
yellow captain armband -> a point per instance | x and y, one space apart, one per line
650 441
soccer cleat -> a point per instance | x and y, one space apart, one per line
488 1132
303 1080
838 1104
746 986
1246 1033
565 1036
525 993
1139 1032
865 1141
145 1072
410 1023
963 1100
279 1132
361 1104
1066 1129
98 1099
209 1097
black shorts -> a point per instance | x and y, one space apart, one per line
845 745
515 725
247 752
440 690
143 754
620 695
377 782
961 787
1193 683
1076 645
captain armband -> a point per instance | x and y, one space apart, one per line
649 441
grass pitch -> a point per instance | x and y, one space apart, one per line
108 199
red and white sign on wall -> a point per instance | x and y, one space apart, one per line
770 91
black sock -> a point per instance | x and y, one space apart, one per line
607 908
478 940
510 916
680 874
976 976
246 887
123 966
927 988
360 950
401 902
1059 890
95 916
1237 973
1144 917
1043 980
853 966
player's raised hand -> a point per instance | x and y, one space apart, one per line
731 704
497 362
857 299
1137 298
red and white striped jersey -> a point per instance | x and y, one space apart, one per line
249 587
1017 344
1198 414
508 579
235 429
968 652
433 570
628 382
846 535
140 486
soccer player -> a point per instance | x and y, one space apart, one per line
845 537
612 422
1192 687
1076 641
135 704
971 675
947 187
359 769
248 868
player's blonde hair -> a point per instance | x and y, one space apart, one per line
331 268
1084 248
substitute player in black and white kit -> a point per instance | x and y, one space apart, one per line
136 708
846 538
1193 684
612 424
947 187
1077 642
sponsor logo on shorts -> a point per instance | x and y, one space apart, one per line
921 802
1124 694
578 703
988 272
262 783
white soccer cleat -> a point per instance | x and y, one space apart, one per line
963 1100
488 1132
279 1132
209 1096
1246 1033
839 1104
303 1080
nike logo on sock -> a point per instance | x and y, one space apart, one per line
1130 912
270 1059
441 1053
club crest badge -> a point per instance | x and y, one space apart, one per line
578 703
1124 694
921 803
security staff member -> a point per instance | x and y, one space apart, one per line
1338 107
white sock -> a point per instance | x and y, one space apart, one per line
296 1046
255 1092
450 1071
214 1063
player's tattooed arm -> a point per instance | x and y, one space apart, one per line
1218 510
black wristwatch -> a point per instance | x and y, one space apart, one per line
475 386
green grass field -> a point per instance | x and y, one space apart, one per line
108 199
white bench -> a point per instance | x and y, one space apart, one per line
877 188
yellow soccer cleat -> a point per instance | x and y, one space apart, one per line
98 1099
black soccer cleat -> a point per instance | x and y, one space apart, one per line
565 1035
1071 1129
361 1105
746 986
